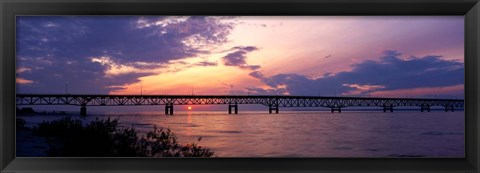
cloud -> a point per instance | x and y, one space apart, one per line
327 74
362 89
245 48
23 69
59 49
257 74
113 69
426 91
206 63
388 74
250 67
23 81
81 77
120 37
263 25
270 91
238 58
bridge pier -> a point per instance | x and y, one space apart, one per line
449 107
425 107
339 109
385 108
230 106
169 109
83 110
270 108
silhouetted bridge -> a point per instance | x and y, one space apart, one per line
272 102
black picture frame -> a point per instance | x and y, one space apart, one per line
11 8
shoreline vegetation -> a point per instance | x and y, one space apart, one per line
68 137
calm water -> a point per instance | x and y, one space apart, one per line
308 134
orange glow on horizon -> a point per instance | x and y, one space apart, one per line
419 91
192 80
276 56
189 108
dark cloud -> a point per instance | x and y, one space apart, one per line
59 49
206 63
327 74
261 91
238 58
257 74
126 39
80 76
388 73
250 67
263 25
245 48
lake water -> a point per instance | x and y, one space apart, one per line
307 134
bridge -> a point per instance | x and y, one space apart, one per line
272 102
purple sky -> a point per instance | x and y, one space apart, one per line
386 56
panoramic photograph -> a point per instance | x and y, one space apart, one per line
240 86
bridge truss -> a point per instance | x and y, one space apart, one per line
272 102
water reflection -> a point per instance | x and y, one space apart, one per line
309 134
189 122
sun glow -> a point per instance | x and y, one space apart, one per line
189 108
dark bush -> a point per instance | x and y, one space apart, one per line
21 123
105 138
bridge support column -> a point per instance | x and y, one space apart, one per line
425 107
339 109
385 108
234 106
273 107
169 109
449 107
83 110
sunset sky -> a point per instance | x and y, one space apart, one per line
389 56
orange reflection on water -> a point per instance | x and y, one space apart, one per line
189 122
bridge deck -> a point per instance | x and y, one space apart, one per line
272 101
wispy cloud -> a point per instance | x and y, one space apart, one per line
206 63
23 69
23 81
